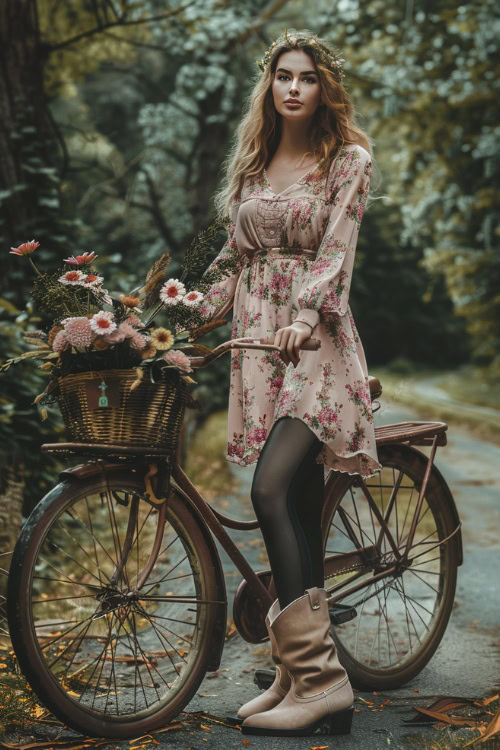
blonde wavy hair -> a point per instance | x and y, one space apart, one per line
259 132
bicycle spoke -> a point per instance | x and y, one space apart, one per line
95 540
423 581
79 546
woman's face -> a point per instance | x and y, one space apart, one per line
296 78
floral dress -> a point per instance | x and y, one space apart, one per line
328 390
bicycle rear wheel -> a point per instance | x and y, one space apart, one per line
112 605
394 624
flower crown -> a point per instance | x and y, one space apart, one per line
327 57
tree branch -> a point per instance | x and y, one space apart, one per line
156 211
133 43
260 21
102 27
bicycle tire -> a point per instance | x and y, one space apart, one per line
362 673
26 625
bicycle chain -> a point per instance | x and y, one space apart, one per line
354 567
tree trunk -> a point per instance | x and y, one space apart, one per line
29 184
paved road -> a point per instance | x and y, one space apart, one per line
466 662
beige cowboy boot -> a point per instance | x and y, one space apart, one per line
320 697
277 691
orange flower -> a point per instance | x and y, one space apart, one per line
129 300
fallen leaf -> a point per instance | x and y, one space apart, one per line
486 701
368 703
453 720
491 730
441 705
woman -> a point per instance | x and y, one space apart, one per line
297 185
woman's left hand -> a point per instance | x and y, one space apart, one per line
290 339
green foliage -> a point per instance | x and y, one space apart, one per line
22 430
430 80
56 300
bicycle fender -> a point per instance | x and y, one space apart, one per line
85 471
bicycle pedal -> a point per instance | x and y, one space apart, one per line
341 613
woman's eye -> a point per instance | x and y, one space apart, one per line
283 76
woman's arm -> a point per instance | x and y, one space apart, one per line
325 289
218 299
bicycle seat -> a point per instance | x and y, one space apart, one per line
375 386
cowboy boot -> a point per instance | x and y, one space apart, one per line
320 697
277 691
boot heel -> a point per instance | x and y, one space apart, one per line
341 721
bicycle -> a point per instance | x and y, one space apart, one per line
117 605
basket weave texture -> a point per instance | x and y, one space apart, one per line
151 415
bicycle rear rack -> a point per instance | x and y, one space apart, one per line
412 433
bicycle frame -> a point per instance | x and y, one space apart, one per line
419 433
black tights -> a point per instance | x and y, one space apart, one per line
287 495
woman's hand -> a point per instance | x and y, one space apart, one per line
290 339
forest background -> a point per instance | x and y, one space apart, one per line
116 116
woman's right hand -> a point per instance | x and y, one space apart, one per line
290 339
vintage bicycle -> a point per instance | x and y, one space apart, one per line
117 604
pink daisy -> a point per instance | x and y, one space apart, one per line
116 337
71 277
81 260
78 331
127 330
60 343
192 298
138 341
133 320
172 292
103 323
179 359
102 294
25 249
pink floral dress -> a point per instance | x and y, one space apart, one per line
328 390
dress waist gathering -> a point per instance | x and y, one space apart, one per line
260 253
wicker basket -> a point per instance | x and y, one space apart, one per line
151 415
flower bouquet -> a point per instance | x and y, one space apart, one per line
117 376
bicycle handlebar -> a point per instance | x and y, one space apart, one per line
247 343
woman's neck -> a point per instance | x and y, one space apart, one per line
294 142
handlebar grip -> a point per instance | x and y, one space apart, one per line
311 344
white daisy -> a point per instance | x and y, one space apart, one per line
103 323
192 298
71 277
91 280
172 292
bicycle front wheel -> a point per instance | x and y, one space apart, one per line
112 605
394 620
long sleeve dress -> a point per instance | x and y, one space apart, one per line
328 389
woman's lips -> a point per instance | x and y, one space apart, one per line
293 105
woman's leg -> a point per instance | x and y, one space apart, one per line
287 494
